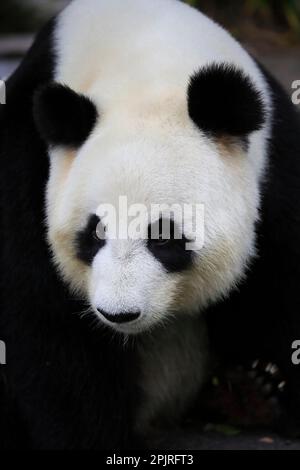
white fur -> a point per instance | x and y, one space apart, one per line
134 58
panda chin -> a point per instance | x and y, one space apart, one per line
131 330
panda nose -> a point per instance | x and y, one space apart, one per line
123 317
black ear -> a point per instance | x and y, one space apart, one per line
222 100
62 116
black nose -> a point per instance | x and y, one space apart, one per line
124 317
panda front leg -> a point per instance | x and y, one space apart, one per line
282 337
289 423
279 381
256 362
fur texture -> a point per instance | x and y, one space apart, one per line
71 385
146 147
261 319
65 379
223 101
62 116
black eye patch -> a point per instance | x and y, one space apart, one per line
62 116
171 251
88 242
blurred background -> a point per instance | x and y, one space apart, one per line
270 29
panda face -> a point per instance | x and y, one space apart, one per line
134 276
160 155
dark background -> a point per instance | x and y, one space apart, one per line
270 29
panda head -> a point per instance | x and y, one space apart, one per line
184 146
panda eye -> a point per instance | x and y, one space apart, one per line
90 240
99 232
95 236
161 233
167 244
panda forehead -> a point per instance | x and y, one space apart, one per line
144 167
143 188
149 163
152 166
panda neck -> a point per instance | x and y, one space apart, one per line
174 363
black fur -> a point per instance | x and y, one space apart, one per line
171 253
68 385
87 242
62 116
261 319
222 101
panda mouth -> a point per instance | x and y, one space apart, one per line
120 318
134 325
132 322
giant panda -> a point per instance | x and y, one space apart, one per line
106 337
